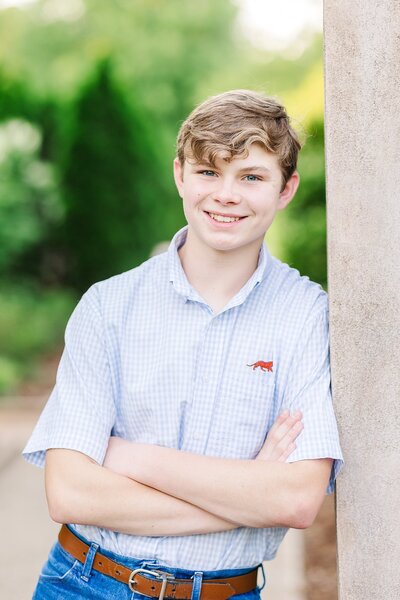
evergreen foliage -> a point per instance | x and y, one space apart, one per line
304 221
110 185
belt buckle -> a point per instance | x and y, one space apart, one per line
159 574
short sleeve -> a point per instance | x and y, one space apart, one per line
80 412
309 390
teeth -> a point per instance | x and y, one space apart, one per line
222 219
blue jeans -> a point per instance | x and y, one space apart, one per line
63 577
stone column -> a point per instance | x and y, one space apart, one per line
362 85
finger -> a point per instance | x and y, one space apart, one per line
274 451
279 450
280 421
285 455
288 419
284 431
283 425
290 435
280 447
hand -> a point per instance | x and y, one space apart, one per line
279 443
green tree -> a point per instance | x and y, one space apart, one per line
110 182
29 201
15 98
303 226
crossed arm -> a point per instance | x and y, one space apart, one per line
150 490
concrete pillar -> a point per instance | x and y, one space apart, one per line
362 85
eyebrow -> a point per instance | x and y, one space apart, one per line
253 168
257 168
201 163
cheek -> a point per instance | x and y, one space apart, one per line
266 211
186 212
262 205
189 204
193 197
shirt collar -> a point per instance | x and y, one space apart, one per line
177 275
182 286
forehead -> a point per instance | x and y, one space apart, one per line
255 156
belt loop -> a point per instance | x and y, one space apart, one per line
263 574
87 567
197 581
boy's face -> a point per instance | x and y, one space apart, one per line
232 205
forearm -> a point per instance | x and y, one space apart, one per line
250 492
80 491
238 490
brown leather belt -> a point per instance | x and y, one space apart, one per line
164 585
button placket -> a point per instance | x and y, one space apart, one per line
204 391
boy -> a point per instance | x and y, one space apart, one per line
188 361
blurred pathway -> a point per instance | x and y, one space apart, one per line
24 520
29 532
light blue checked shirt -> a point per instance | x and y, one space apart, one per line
147 359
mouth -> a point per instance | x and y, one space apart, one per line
224 219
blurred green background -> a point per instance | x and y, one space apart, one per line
92 93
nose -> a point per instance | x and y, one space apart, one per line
226 193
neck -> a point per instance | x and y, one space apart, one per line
217 275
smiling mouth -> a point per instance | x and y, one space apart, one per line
224 218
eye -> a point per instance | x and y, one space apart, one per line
252 178
207 172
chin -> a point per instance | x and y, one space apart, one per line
225 247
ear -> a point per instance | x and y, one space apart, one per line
288 192
178 176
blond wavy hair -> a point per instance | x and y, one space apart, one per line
225 126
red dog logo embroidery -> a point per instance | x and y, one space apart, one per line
264 366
